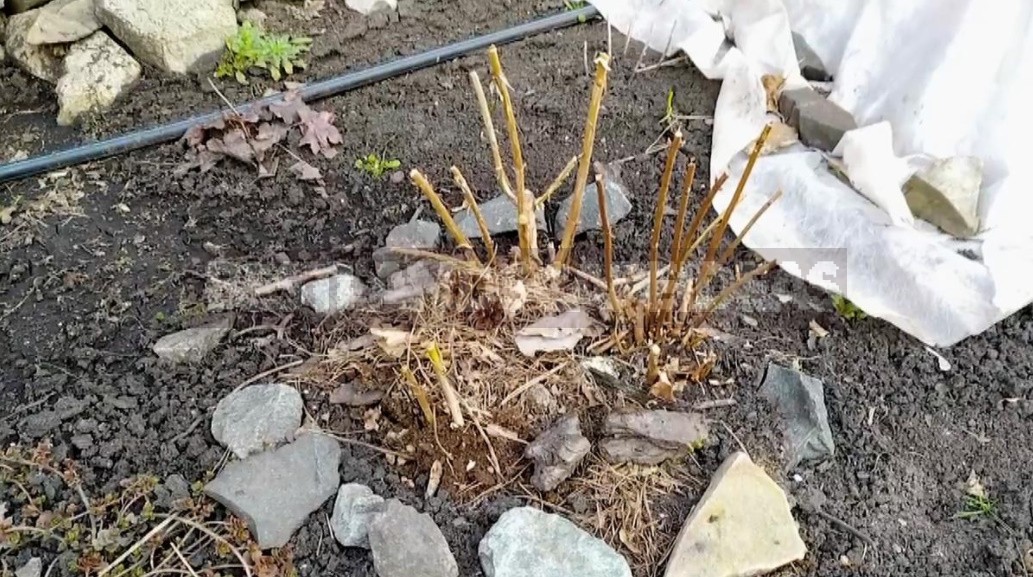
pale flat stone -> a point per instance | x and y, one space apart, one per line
33 568
947 195
651 437
97 73
43 62
406 543
274 492
367 7
257 417
526 541
741 526
331 295
191 345
419 235
355 508
178 37
63 21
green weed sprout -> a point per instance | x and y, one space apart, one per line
571 5
978 506
251 47
847 309
375 166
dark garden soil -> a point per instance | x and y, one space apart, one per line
88 286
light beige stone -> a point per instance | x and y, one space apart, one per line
63 21
97 72
947 195
179 37
742 526
43 62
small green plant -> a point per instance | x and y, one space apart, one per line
670 114
375 166
251 47
847 309
978 506
571 5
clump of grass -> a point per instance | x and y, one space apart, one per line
375 165
847 309
253 48
978 506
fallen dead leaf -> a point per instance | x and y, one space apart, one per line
773 84
818 330
974 486
781 136
556 333
392 341
662 388
513 298
434 481
371 419
318 132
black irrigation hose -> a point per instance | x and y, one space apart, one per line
319 90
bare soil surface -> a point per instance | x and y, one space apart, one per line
119 254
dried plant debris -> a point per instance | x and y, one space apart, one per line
255 137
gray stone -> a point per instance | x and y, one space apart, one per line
947 195
418 234
820 123
97 73
413 282
811 66
63 21
355 508
406 543
34 568
557 452
252 15
618 205
3 32
500 215
367 7
332 295
275 491
526 541
354 394
177 487
191 345
177 37
257 417
650 437
800 400
43 62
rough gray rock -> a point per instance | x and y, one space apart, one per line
500 214
820 122
257 417
618 205
43 62
3 34
355 508
354 394
275 491
800 399
191 345
63 21
418 234
526 541
407 543
252 15
947 195
367 7
811 66
557 452
177 37
650 437
97 72
332 295
33 568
